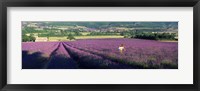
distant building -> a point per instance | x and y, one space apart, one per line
176 37
41 39
28 34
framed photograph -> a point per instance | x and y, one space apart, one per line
90 45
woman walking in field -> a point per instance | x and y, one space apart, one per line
121 48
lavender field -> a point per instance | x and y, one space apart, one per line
100 54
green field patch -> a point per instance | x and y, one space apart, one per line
82 37
58 39
97 37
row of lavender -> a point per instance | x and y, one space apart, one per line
63 57
87 60
100 54
139 53
35 55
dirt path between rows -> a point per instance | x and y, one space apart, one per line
60 59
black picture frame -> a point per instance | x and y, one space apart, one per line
101 3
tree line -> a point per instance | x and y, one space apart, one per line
149 35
